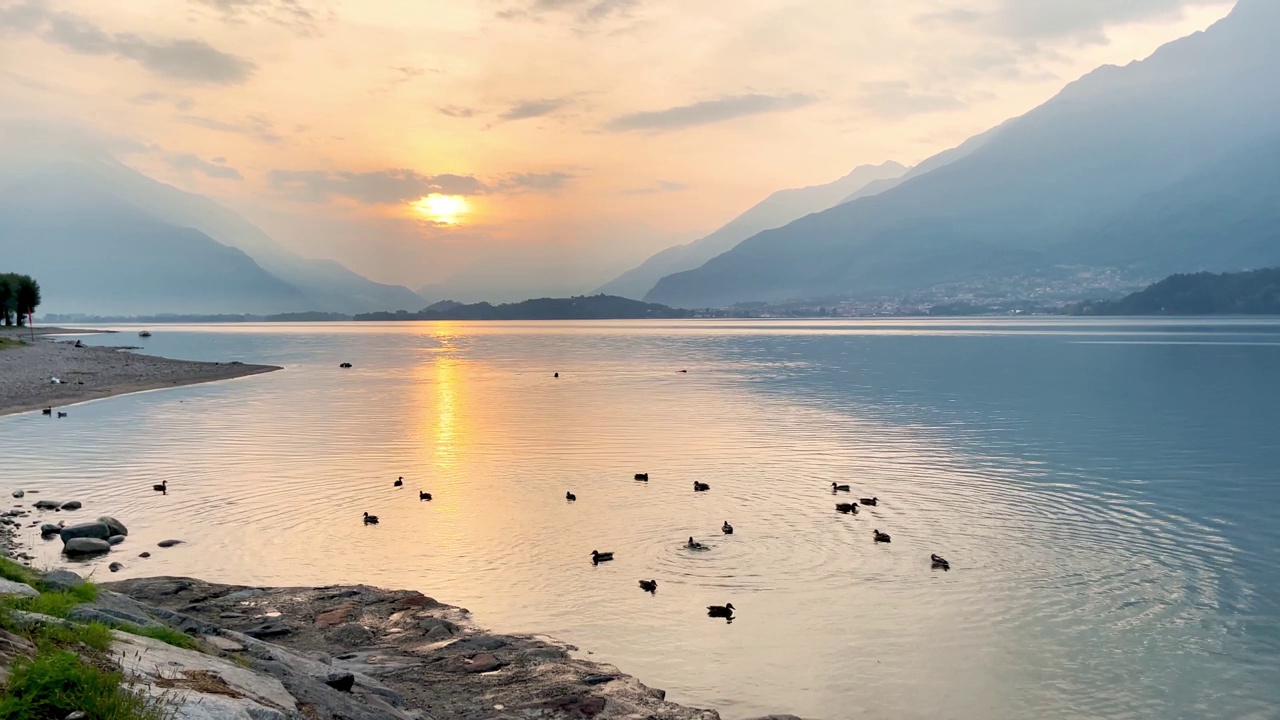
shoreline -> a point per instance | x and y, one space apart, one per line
94 372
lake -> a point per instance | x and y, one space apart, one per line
1105 490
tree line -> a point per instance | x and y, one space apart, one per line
19 297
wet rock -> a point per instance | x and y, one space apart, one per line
598 679
245 594
113 609
340 680
168 543
350 635
95 530
336 616
117 527
484 662
62 579
439 632
10 588
417 601
223 644
47 505
86 546
115 567
73 505
115 539
48 530
573 706
269 630
480 642
143 555
19 493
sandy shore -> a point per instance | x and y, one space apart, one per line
90 373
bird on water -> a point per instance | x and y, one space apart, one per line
727 529
163 487
598 557
643 477
720 611
570 496
879 536
649 586
846 508
424 496
700 486
399 482
839 488
370 519
939 562
869 501
695 545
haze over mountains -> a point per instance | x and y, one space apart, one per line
1161 164
105 239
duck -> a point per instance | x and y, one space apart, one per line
683 372
649 586
370 519
556 375
727 529
424 496
720 611
869 501
694 545
163 487
846 508
879 536
598 557
642 477
62 414
399 482
939 562
700 486
570 496
47 411
345 366
840 488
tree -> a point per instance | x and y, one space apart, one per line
28 296
7 299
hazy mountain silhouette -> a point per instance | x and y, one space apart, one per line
1039 190
329 285
774 211
93 252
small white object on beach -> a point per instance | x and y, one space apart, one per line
55 381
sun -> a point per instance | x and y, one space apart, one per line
443 209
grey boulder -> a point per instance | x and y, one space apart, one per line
115 539
115 567
86 530
49 530
168 543
73 505
17 589
47 505
86 546
62 579
117 527
19 493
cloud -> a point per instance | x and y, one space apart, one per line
384 187
662 186
708 112
1058 19
154 98
532 109
456 111
186 162
898 100
290 14
176 59
586 12
255 126
538 182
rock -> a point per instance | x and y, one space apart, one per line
484 662
115 567
350 635
112 609
19 493
48 530
142 555
73 505
572 706
62 579
168 543
86 546
230 615
117 527
479 642
439 632
598 679
77 715
16 589
417 601
269 630
340 681
86 530
223 644
115 539
47 505
336 616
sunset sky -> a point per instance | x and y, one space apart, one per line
556 136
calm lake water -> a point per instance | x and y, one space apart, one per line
1106 492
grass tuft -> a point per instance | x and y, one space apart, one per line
168 635
95 635
57 603
10 570
56 683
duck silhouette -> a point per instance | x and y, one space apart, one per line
163 487
598 557
846 508
700 486
720 611
939 562
424 496
727 529
643 477
879 536
869 501
370 519
649 586
399 482
839 488
570 497
694 545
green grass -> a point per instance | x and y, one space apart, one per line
168 635
10 570
57 682
95 635
57 603
6 342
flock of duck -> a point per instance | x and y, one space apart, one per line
651 586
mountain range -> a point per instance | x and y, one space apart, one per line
106 239
1165 164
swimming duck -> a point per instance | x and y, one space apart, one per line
163 487
47 411
570 496
727 529
644 477
869 501
846 508
62 414
649 586
345 365
879 536
598 557
370 519
694 545
684 372
840 488
557 375
940 563
720 611
399 482
424 496
700 486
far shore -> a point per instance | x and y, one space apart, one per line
89 373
